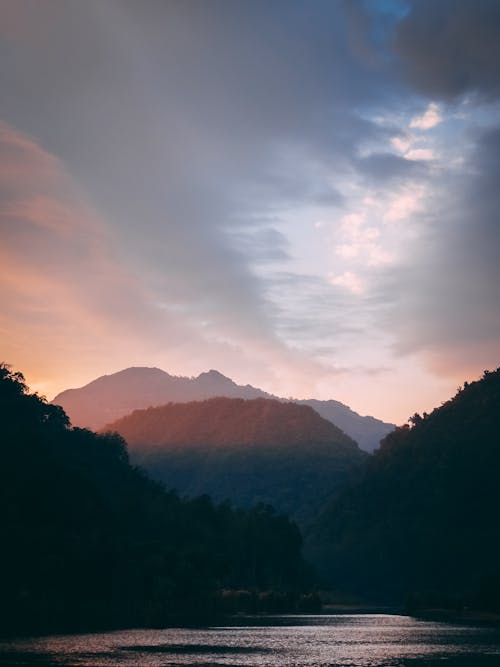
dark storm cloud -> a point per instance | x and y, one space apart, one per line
450 48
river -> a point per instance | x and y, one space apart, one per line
362 640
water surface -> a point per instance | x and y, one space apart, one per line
364 640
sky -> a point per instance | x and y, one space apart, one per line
303 195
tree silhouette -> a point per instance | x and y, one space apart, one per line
424 515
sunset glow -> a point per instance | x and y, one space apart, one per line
298 194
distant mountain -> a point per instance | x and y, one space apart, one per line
422 520
112 396
247 451
366 431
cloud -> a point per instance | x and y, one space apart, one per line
429 119
188 127
72 308
449 49
63 291
402 142
171 160
417 154
194 137
404 203
359 241
443 301
349 280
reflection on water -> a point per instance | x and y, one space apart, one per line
305 641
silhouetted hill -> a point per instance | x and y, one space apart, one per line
248 451
89 541
112 396
423 518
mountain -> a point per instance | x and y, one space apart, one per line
112 396
88 541
422 520
366 431
247 451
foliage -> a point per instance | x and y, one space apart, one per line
424 515
89 540
249 451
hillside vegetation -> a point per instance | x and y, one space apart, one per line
248 451
422 521
89 541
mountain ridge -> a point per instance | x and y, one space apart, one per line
112 396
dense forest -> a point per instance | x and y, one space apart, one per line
422 521
249 451
90 541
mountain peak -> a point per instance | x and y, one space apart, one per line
141 371
214 376
213 373
134 373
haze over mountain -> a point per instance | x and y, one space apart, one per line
367 431
112 396
247 451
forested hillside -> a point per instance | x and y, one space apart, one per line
89 541
423 519
248 451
